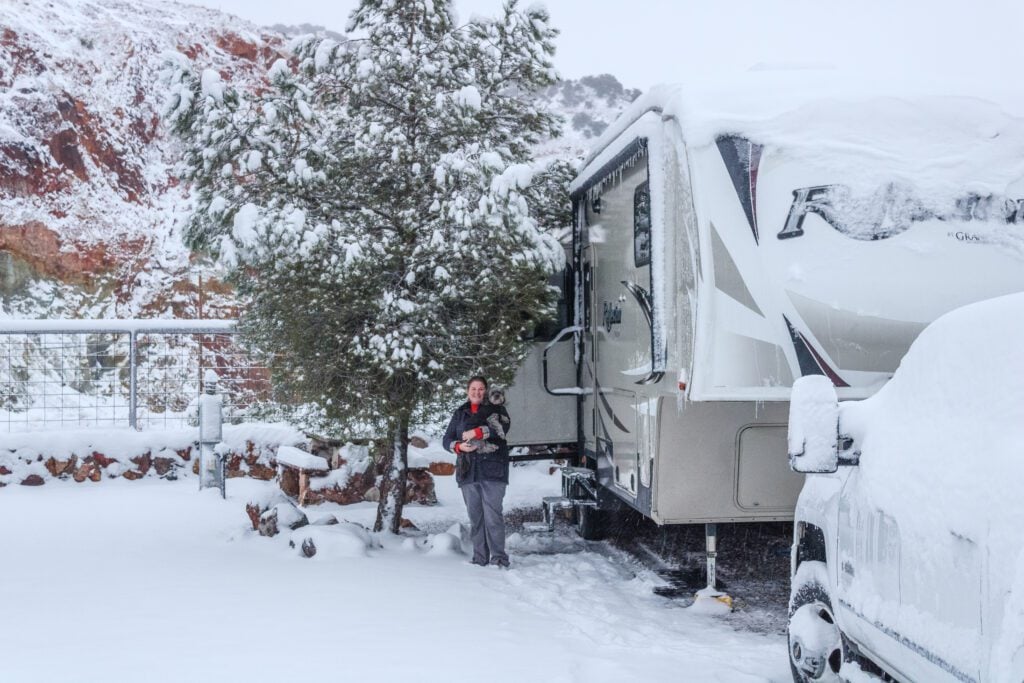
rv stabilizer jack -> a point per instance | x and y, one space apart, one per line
710 596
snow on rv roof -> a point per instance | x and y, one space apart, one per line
933 131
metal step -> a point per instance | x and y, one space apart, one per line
577 473
548 505
551 503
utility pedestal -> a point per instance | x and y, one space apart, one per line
211 465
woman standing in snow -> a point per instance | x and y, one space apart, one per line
476 434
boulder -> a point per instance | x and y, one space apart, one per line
233 465
254 512
163 465
290 482
441 469
57 468
418 442
250 463
33 480
102 460
4 470
262 472
263 501
89 469
281 516
359 488
353 491
290 516
308 548
268 523
143 462
419 487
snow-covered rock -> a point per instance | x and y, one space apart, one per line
88 204
92 454
90 211
279 517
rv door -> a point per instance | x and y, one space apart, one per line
542 398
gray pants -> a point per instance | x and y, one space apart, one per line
483 502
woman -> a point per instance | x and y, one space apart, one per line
476 434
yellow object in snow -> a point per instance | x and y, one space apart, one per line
712 600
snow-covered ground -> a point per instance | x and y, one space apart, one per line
151 580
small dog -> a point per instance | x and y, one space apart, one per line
496 396
497 423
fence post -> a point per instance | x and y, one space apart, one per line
133 399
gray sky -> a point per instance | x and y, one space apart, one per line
643 42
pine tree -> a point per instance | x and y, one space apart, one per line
374 205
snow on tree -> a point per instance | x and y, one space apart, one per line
374 204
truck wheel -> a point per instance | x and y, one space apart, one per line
815 641
590 522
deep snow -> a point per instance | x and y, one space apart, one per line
151 580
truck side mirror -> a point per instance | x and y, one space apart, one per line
813 426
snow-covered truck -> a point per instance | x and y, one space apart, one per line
729 239
908 556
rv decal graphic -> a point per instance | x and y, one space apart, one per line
742 158
891 210
608 408
811 362
612 315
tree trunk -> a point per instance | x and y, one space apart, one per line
392 488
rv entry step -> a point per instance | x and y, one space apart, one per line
551 503
578 473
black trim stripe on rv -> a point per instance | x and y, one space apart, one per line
811 362
608 408
742 158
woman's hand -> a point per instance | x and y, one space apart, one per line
468 434
467 447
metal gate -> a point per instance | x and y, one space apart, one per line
114 373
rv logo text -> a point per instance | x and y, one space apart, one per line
889 211
612 315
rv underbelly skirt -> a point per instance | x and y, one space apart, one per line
723 461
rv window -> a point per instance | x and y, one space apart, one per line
642 225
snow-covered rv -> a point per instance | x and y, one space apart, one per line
730 240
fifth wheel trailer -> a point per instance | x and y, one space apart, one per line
729 240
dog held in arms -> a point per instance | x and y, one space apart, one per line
496 423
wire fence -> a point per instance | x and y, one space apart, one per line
142 374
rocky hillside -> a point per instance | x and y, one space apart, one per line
90 212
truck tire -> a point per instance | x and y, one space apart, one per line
816 644
590 522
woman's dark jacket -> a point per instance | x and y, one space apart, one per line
474 467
